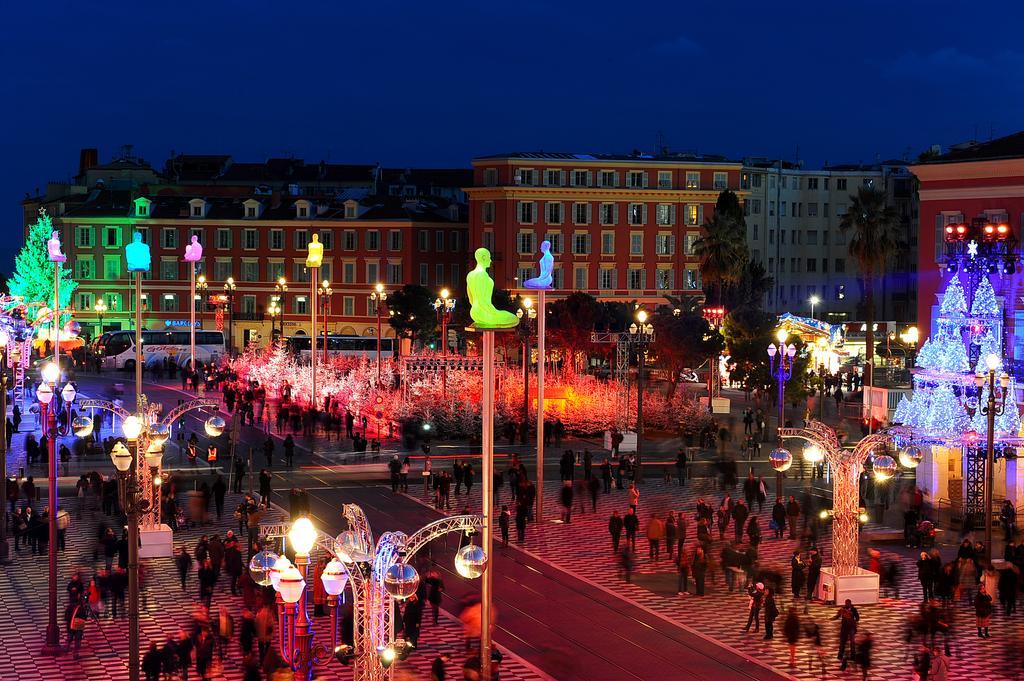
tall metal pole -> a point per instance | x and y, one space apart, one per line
133 562
379 329
444 354
313 273
526 377
487 512
640 410
4 548
781 378
327 313
138 339
302 652
540 405
192 314
52 646
990 455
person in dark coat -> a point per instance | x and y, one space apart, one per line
771 613
926 576
183 562
813 572
699 569
779 518
740 513
204 653
631 524
849 617
983 610
615 530
220 489
791 630
797 576
233 564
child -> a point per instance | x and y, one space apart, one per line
503 521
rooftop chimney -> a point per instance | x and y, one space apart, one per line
87 158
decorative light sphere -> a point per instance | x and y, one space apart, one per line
911 456
280 565
51 373
72 328
82 426
121 457
158 433
471 561
132 426
350 547
261 566
290 585
154 455
302 535
780 459
884 467
814 454
401 580
334 577
215 426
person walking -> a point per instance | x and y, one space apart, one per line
152 662
771 613
983 610
754 605
606 476
813 572
792 514
522 513
740 513
683 566
631 524
791 631
615 530
681 460
699 568
220 489
655 533
926 576
797 575
268 449
670 533
265 478
289 451
848 617
435 591
503 525
183 562
634 496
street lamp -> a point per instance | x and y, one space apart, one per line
379 296
229 291
444 307
994 406
274 310
201 287
641 335
281 288
324 292
100 309
780 458
813 300
527 313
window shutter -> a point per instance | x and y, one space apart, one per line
589 214
700 214
672 215
643 279
615 213
644 215
561 178
645 182
589 178
587 243
672 244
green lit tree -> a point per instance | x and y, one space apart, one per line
33 271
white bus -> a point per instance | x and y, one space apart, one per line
117 348
344 346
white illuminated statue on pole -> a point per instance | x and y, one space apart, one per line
544 280
53 249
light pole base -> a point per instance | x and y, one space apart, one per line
5 553
52 648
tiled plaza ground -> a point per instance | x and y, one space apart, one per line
166 609
584 548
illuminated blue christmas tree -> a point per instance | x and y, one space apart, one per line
946 415
926 356
953 356
984 303
954 303
988 346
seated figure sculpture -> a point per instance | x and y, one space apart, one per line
53 248
137 254
194 250
315 256
480 287
547 265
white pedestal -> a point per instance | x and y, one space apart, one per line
720 405
156 543
628 441
861 587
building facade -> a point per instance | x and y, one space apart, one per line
793 218
620 227
255 234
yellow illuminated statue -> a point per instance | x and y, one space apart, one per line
316 252
480 288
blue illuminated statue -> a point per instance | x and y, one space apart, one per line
137 254
480 288
544 280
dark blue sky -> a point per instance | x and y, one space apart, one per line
434 83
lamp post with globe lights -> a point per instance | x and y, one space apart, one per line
229 291
528 314
993 407
100 308
444 306
324 293
379 296
641 335
781 359
813 300
280 289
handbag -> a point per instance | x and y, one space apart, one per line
77 621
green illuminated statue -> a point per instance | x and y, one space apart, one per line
480 287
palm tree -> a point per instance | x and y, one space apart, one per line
722 250
875 239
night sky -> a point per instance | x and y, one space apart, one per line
436 83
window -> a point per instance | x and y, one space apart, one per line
526 212
250 239
85 268
824 210
824 265
223 238
755 180
782 209
812 264
112 237
840 265
636 245
771 236
555 239
275 269
423 237
689 242
581 213
169 302
372 240
84 237
490 177
553 178
326 238
581 178
606 279
455 272
85 301
636 179
197 210
665 244
348 273
525 272
488 212
394 273
439 274
349 240
755 206
300 306
692 282
350 210
694 213
168 270
554 212
607 243
277 239
454 241
348 306
609 214
581 244
824 238
637 279
664 179
299 272
840 209
424 274
721 180
395 240
608 178
524 242
755 232
250 211
251 270
812 210
841 184
372 272
300 239
637 213
222 270
812 237
665 280
692 179
771 208
526 176
581 275
665 214
111 267
812 183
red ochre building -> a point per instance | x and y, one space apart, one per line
621 227
254 221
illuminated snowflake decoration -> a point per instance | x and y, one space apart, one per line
972 249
